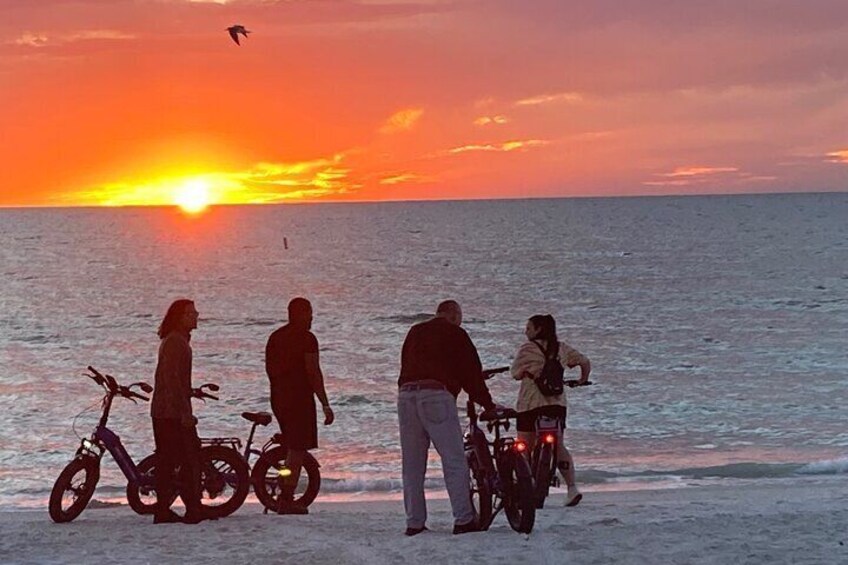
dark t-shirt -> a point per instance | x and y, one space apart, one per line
441 351
285 364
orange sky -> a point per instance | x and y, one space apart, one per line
131 101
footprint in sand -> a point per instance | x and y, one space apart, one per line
606 522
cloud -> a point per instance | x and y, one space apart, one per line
491 120
262 183
698 171
840 156
701 175
505 147
32 39
403 120
569 97
400 178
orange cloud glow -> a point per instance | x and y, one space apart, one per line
263 183
570 97
505 147
490 120
840 156
403 120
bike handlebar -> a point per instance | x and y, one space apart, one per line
114 389
574 383
489 373
202 394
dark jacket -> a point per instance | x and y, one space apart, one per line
441 351
172 387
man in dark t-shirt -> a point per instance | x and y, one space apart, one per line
291 362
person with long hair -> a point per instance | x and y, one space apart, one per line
174 424
542 343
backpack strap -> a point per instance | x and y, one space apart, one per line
542 349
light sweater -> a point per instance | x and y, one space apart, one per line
530 358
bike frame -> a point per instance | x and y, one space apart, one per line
490 454
104 439
545 427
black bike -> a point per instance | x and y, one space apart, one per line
544 461
266 477
224 475
76 483
500 475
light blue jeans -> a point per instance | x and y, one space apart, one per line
430 416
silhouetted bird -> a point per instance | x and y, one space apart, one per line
235 31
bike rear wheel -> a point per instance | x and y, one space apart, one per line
481 493
266 478
543 472
74 489
519 498
224 480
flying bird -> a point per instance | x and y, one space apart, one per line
235 31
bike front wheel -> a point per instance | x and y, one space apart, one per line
267 482
141 495
74 489
224 480
519 500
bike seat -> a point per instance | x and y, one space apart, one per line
261 418
492 415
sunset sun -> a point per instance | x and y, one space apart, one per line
192 196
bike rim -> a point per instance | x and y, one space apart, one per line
273 481
77 489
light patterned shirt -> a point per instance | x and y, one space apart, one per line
531 359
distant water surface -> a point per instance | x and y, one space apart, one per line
716 325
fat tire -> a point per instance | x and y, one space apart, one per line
238 479
480 486
147 470
519 496
266 489
542 477
91 466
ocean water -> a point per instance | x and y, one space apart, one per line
716 325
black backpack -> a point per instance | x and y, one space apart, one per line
550 381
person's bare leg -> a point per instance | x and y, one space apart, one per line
566 465
566 469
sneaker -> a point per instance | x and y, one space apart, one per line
292 508
414 531
169 517
472 526
573 497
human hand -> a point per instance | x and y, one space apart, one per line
329 417
189 421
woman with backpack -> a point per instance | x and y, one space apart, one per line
539 365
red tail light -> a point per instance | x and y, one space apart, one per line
519 446
550 438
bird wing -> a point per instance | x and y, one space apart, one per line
234 35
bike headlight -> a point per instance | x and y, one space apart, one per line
284 472
88 444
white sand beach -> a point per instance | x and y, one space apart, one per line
777 521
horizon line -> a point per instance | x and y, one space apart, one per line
420 200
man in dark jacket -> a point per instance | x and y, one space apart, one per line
174 425
291 362
438 360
